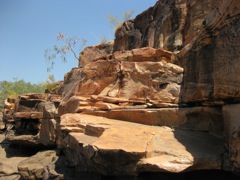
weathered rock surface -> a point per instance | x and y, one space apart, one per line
207 119
7 112
22 163
114 147
9 160
95 52
167 67
32 115
140 76
203 35
170 24
212 61
232 128
40 166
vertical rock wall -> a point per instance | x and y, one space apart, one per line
203 34
212 63
169 25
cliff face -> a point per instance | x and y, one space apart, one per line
163 98
169 25
212 63
204 37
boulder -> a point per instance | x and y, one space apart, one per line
40 166
9 160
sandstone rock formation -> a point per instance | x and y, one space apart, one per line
170 24
114 147
163 98
40 166
31 115
212 62
8 110
93 52
203 35
186 35
9 161
143 76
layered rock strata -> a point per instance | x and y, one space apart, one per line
204 37
143 76
33 118
114 147
162 98
170 24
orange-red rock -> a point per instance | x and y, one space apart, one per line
122 148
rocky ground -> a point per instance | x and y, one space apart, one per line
9 160
16 161
24 163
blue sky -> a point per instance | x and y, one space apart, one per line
29 27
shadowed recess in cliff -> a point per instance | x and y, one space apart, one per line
207 150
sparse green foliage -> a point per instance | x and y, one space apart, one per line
17 87
116 22
51 79
51 84
68 44
65 45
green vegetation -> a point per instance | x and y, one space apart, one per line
65 45
12 89
51 84
17 87
70 44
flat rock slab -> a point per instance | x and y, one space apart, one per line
115 147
